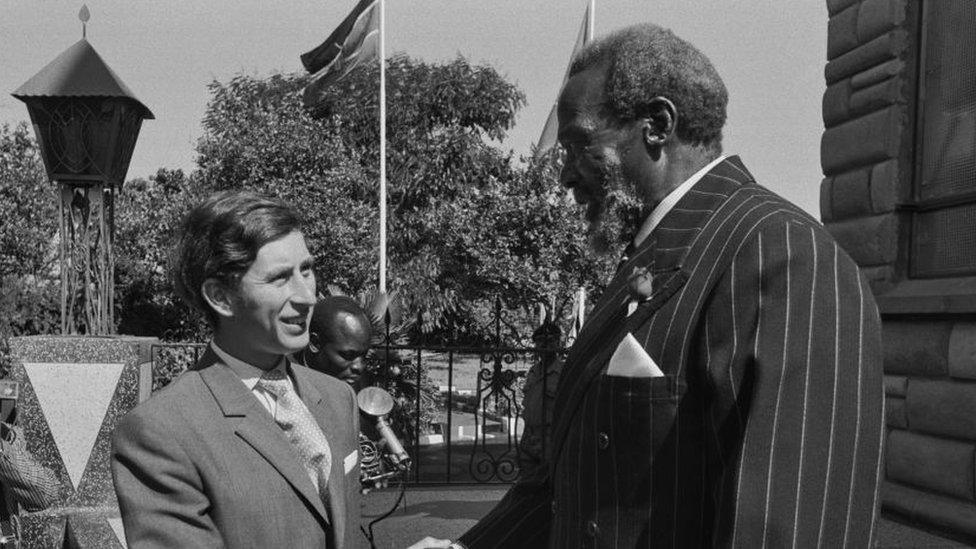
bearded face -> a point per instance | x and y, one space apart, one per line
601 163
614 212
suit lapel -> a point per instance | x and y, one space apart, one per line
663 253
255 426
326 414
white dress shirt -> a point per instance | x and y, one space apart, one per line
250 375
662 209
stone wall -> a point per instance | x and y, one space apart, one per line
73 392
930 394
867 154
866 147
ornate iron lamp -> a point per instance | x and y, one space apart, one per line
86 121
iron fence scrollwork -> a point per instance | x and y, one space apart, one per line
484 391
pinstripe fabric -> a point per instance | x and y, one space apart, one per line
766 429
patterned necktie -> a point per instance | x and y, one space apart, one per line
301 429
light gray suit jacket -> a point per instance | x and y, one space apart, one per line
203 464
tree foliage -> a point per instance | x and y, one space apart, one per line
148 215
467 221
28 206
29 288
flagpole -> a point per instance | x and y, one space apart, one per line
382 56
592 17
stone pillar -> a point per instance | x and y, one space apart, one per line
868 201
73 392
866 147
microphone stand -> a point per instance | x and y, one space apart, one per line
377 403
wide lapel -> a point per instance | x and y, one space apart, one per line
663 253
327 415
256 426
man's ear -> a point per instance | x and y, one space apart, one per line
660 121
218 296
313 339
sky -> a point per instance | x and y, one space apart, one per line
771 54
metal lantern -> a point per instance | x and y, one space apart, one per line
86 121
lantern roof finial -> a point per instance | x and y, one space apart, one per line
84 15
78 72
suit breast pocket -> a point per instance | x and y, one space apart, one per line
642 414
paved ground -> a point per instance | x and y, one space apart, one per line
444 512
448 511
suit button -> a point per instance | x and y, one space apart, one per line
603 440
554 507
592 529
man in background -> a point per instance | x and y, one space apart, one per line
339 338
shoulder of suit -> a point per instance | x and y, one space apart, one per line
775 209
323 381
172 399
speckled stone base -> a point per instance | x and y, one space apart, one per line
82 516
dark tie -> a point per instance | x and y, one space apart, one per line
301 429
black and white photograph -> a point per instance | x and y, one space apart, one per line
381 274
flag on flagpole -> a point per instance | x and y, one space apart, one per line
351 44
358 39
548 138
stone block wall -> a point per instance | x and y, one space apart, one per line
866 146
930 398
868 160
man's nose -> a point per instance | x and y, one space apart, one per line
304 291
357 365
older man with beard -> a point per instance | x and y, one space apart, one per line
726 390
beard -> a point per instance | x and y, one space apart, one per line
615 216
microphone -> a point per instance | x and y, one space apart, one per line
378 403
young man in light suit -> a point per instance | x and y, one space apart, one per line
246 449
726 390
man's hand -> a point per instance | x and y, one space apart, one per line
430 542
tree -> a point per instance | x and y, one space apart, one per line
466 220
148 214
28 206
29 289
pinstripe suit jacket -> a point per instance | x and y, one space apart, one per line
765 431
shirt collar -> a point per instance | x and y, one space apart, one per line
248 373
662 209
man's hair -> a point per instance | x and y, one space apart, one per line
328 310
646 61
220 239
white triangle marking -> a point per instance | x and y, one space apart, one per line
116 524
74 398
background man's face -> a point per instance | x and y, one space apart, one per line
596 160
342 348
273 303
